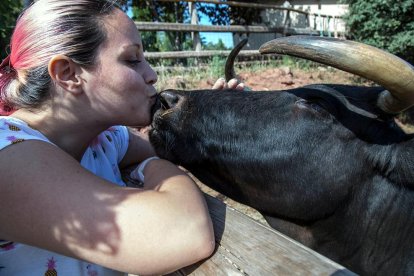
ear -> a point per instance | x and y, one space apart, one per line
63 72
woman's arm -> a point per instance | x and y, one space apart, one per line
139 148
49 201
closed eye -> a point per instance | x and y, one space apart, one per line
314 106
133 63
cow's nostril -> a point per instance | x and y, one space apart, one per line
169 99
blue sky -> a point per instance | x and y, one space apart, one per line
227 38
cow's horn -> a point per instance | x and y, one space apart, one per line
391 72
229 67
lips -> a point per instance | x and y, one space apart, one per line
156 104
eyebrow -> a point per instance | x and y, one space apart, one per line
135 45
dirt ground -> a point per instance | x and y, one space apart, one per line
287 77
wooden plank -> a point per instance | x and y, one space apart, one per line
195 54
194 20
246 247
218 264
182 27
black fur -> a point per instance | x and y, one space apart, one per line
321 163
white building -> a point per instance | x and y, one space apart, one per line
323 18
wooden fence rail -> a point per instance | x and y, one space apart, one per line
200 54
182 27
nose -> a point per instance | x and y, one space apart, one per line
150 76
169 99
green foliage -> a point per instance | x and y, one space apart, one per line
215 46
217 14
9 11
154 11
388 25
217 67
224 15
149 39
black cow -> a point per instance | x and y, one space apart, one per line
325 164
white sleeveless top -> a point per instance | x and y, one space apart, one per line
101 158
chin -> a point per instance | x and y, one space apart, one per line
139 123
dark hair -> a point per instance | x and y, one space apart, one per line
48 27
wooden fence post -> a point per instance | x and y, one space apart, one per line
194 20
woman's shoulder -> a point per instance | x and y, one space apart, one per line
13 131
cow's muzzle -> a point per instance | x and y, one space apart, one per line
164 101
169 99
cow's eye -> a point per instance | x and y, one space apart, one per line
313 105
316 107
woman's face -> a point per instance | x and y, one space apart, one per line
121 87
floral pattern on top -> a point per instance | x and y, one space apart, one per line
6 245
51 267
14 139
101 158
14 128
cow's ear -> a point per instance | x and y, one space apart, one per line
64 73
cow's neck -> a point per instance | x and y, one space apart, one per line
402 165
380 215
377 216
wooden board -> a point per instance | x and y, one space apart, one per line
183 27
201 54
246 247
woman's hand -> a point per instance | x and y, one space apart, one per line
232 84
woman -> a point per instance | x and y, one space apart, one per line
75 74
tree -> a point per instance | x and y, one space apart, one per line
9 11
225 15
154 11
388 25
215 46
